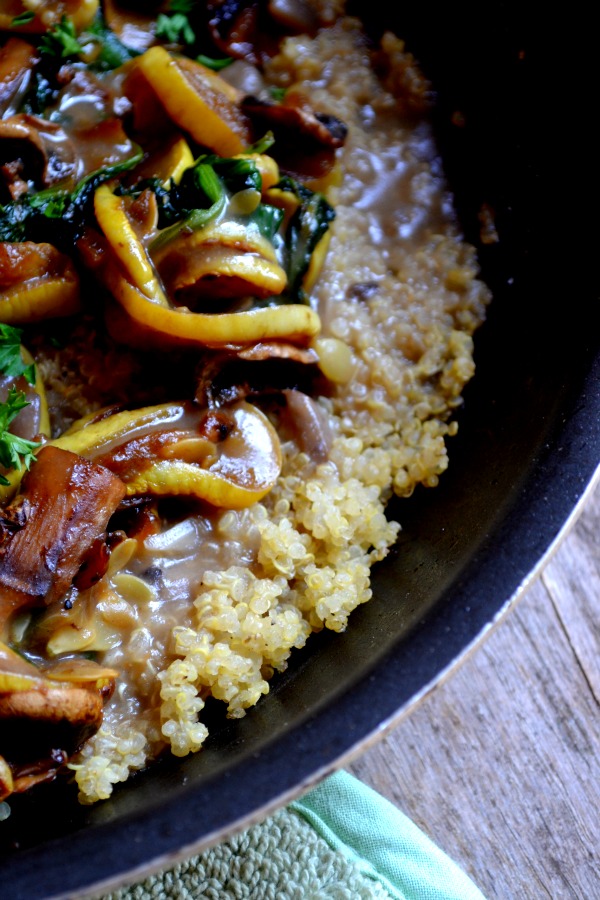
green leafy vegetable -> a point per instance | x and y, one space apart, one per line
201 196
15 452
268 220
305 229
57 216
11 359
202 187
182 6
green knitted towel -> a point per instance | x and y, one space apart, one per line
341 841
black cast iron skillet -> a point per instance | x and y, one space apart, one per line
528 446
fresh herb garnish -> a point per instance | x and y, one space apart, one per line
11 359
277 93
15 452
61 41
23 18
175 29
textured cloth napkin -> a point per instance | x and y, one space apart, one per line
341 841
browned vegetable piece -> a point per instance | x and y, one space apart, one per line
64 504
305 141
17 59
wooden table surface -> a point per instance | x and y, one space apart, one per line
500 764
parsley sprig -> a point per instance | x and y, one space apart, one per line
182 24
11 358
15 452
175 26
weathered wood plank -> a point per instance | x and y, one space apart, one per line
573 580
500 765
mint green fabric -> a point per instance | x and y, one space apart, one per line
385 844
341 841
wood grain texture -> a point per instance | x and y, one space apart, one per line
500 765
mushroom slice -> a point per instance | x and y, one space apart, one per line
296 16
65 502
252 30
228 459
41 149
196 99
45 716
305 141
37 282
263 368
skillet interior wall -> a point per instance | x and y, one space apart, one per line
533 391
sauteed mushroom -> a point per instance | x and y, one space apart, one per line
35 151
64 504
305 141
45 716
229 459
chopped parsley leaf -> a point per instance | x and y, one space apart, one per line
15 452
11 359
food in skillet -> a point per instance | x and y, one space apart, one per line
237 316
